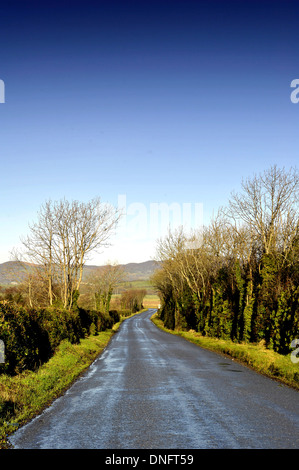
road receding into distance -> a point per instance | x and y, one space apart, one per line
153 390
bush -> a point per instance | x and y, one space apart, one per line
31 336
125 312
115 316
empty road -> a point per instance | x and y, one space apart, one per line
153 390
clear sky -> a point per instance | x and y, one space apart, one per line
140 103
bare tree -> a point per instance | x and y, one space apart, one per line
268 206
39 245
63 238
101 285
168 251
132 299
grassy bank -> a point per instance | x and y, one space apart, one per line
256 356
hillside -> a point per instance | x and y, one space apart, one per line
14 271
135 271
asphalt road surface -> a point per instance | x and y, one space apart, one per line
153 390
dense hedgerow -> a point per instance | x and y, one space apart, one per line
229 311
31 336
238 278
264 307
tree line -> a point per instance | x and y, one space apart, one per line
238 277
59 244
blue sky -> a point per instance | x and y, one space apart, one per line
158 101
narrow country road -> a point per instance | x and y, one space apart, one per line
153 390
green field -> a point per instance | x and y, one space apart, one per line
151 300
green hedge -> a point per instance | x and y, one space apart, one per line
31 336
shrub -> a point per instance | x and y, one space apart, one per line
31 336
115 316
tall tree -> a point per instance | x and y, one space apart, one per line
39 245
268 205
64 236
102 283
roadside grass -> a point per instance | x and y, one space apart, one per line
26 395
255 356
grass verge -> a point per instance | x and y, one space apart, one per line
255 356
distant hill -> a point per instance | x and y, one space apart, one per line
14 271
135 271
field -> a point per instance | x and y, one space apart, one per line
151 300
137 277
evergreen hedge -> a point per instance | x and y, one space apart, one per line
262 308
31 336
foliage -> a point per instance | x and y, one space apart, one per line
58 246
132 299
23 396
100 285
238 279
31 336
